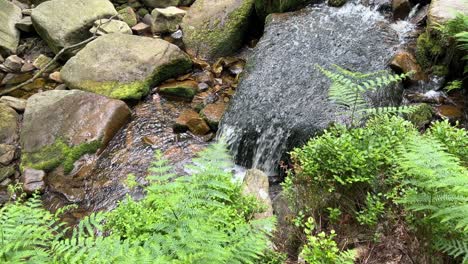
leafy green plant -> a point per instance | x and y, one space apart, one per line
334 214
373 210
454 139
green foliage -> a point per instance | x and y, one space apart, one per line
373 210
454 85
322 249
454 139
348 89
334 214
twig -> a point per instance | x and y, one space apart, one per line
54 60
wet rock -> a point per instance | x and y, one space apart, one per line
184 90
441 11
141 28
166 3
128 16
180 124
126 67
265 7
61 126
13 63
13 102
256 184
25 25
8 125
7 153
213 113
451 112
167 19
10 14
6 171
33 180
420 16
198 126
107 26
216 29
336 3
401 9
48 19
202 99
405 62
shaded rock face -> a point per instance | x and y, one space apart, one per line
281 100
166 3
33 180
10 14
8 124
62 23
124 66
216 28
60 126
441 11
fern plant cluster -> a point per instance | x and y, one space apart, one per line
201 218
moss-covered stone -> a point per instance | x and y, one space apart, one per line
428 48
58 154
128 16
266 7
336 3
185 90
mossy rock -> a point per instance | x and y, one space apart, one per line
215 29
185 90
266 7
8 124
124 66
336 3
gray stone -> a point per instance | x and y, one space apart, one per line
127 65
128 16
61 126
16 103
13 63
48 19
8 125
107 26
216 28
25 25
41 62
166 3
7 153
265 7
441 11
10 14
27 67
256 184
6 171
141 28
167 19
33 180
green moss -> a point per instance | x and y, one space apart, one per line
51 157
440 70
429 48
336 3
171 70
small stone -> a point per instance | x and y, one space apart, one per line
166 19
202 87
14 63
25 25
141 28
128 16
7 153
6 172
177 35
405 62
213 113
147 19
28 67
13 102
198 126
107 26
55 76
205 77
42 61
33 180
401 9
180 124
184 90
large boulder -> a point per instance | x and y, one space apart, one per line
166 3
8 124
216 28
60 126
10 14
62 23
124 66
441 11
265 7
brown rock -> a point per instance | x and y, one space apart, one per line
198 126
181 122
141 28
33 180
451 112
403 61
401 9
213 113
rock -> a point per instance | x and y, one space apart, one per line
26 12
216 28
61 87
213 113
48 19
7 154
61 126
141 28
177 35
336 3
198 126
147 19
441 11
184 90
27 67
56 77
14 63
127 65
401 9
167 19
128 16
107 26
33 180
256 184
25 25
8 125
13 102
265 7
166 3
205 77
203 87
181 122
10 14
405 62
6 171
41 62
1 59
